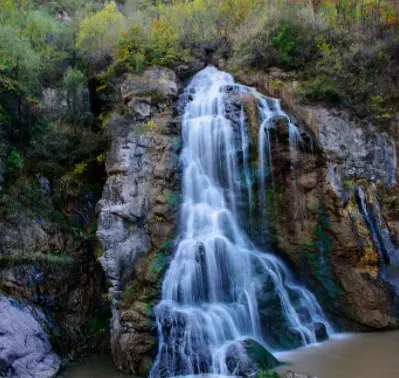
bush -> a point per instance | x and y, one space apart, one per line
14 160
130 49
279 40
322 89
135 50
266 374
296 43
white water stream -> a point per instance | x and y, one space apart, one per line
210 291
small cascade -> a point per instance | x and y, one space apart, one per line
218 288
389 252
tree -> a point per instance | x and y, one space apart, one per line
75 81
19 67
99 32
316 6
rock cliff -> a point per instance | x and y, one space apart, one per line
138 210
318 221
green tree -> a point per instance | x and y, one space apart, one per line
43 33
99 32
19 67
74 82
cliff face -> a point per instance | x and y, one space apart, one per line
316 214
56 287
137 214
333 212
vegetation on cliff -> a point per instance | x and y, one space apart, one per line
61 61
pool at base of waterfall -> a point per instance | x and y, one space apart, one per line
92 367
360 355
366 355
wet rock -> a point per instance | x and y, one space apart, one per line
320 331
25 348
247 357
291 374
238 362
315 220
280 123
263 359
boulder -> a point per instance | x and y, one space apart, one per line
25 349
155 82
141 107
247 357
258 353
291 374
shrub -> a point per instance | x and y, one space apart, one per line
163 45
14 160
279 40
321 89
130 49
266 374
135 49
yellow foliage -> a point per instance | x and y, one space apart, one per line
151 124
80 168
98 32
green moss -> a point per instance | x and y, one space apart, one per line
131 294
171 198
263 358
158 265
321 89
266 374
166 245
156 95
99 323
348 183
314 256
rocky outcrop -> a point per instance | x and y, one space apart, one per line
138 209
52 269
315 217
25 348
58 275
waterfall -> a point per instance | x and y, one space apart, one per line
211 290
389 252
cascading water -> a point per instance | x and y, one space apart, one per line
210 292
389 252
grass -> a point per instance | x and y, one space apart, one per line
40 258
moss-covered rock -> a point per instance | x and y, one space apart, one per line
258 353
